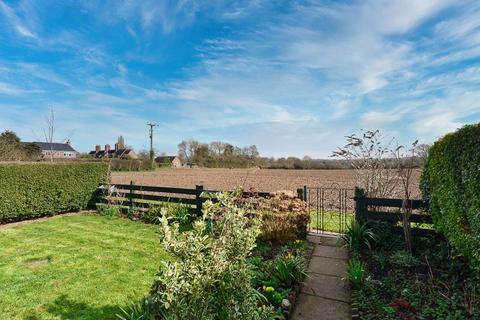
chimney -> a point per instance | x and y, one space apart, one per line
121 143
107 148
116 146
97 148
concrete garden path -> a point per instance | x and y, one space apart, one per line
325 294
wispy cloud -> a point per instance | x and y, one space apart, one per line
292 77
8 89
15 23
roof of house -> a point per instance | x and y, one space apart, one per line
122 152
165 158
111 153
46 146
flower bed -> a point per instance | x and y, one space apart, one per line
278 272
431 283
221 268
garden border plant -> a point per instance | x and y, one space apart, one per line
209 277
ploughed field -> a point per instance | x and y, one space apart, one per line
259 179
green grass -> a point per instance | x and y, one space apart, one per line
76 267
331 220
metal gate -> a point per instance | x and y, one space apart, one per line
331 208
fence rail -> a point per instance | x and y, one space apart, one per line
139 196
155 189
394 203
366 208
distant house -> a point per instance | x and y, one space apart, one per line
120 151
58 150
172 161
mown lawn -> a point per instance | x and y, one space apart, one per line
332 221
76 267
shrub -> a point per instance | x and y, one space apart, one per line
288 269
403 258
284 216
108 210
41 189
209 276
174 211
451 182
357 235
142 310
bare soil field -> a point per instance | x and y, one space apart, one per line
260 179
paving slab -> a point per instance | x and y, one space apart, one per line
322 239
331 287
331 252
310 307
325 293
328 266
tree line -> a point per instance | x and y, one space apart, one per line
218 154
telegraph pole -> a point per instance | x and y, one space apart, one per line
151 125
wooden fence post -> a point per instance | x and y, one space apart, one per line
300 193
360 206
130 196
198 198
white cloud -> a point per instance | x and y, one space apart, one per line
148 14
9 89
294 82
464 27
15 23
436 124
375 119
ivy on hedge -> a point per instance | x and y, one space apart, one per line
41 189
451 182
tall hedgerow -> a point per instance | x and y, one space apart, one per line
40 189
451 182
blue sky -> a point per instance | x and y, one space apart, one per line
292 77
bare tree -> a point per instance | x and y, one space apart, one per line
405 160
422 151
49 132
367 153
217 147
380 169
187 149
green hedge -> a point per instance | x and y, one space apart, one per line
451 182
41 189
